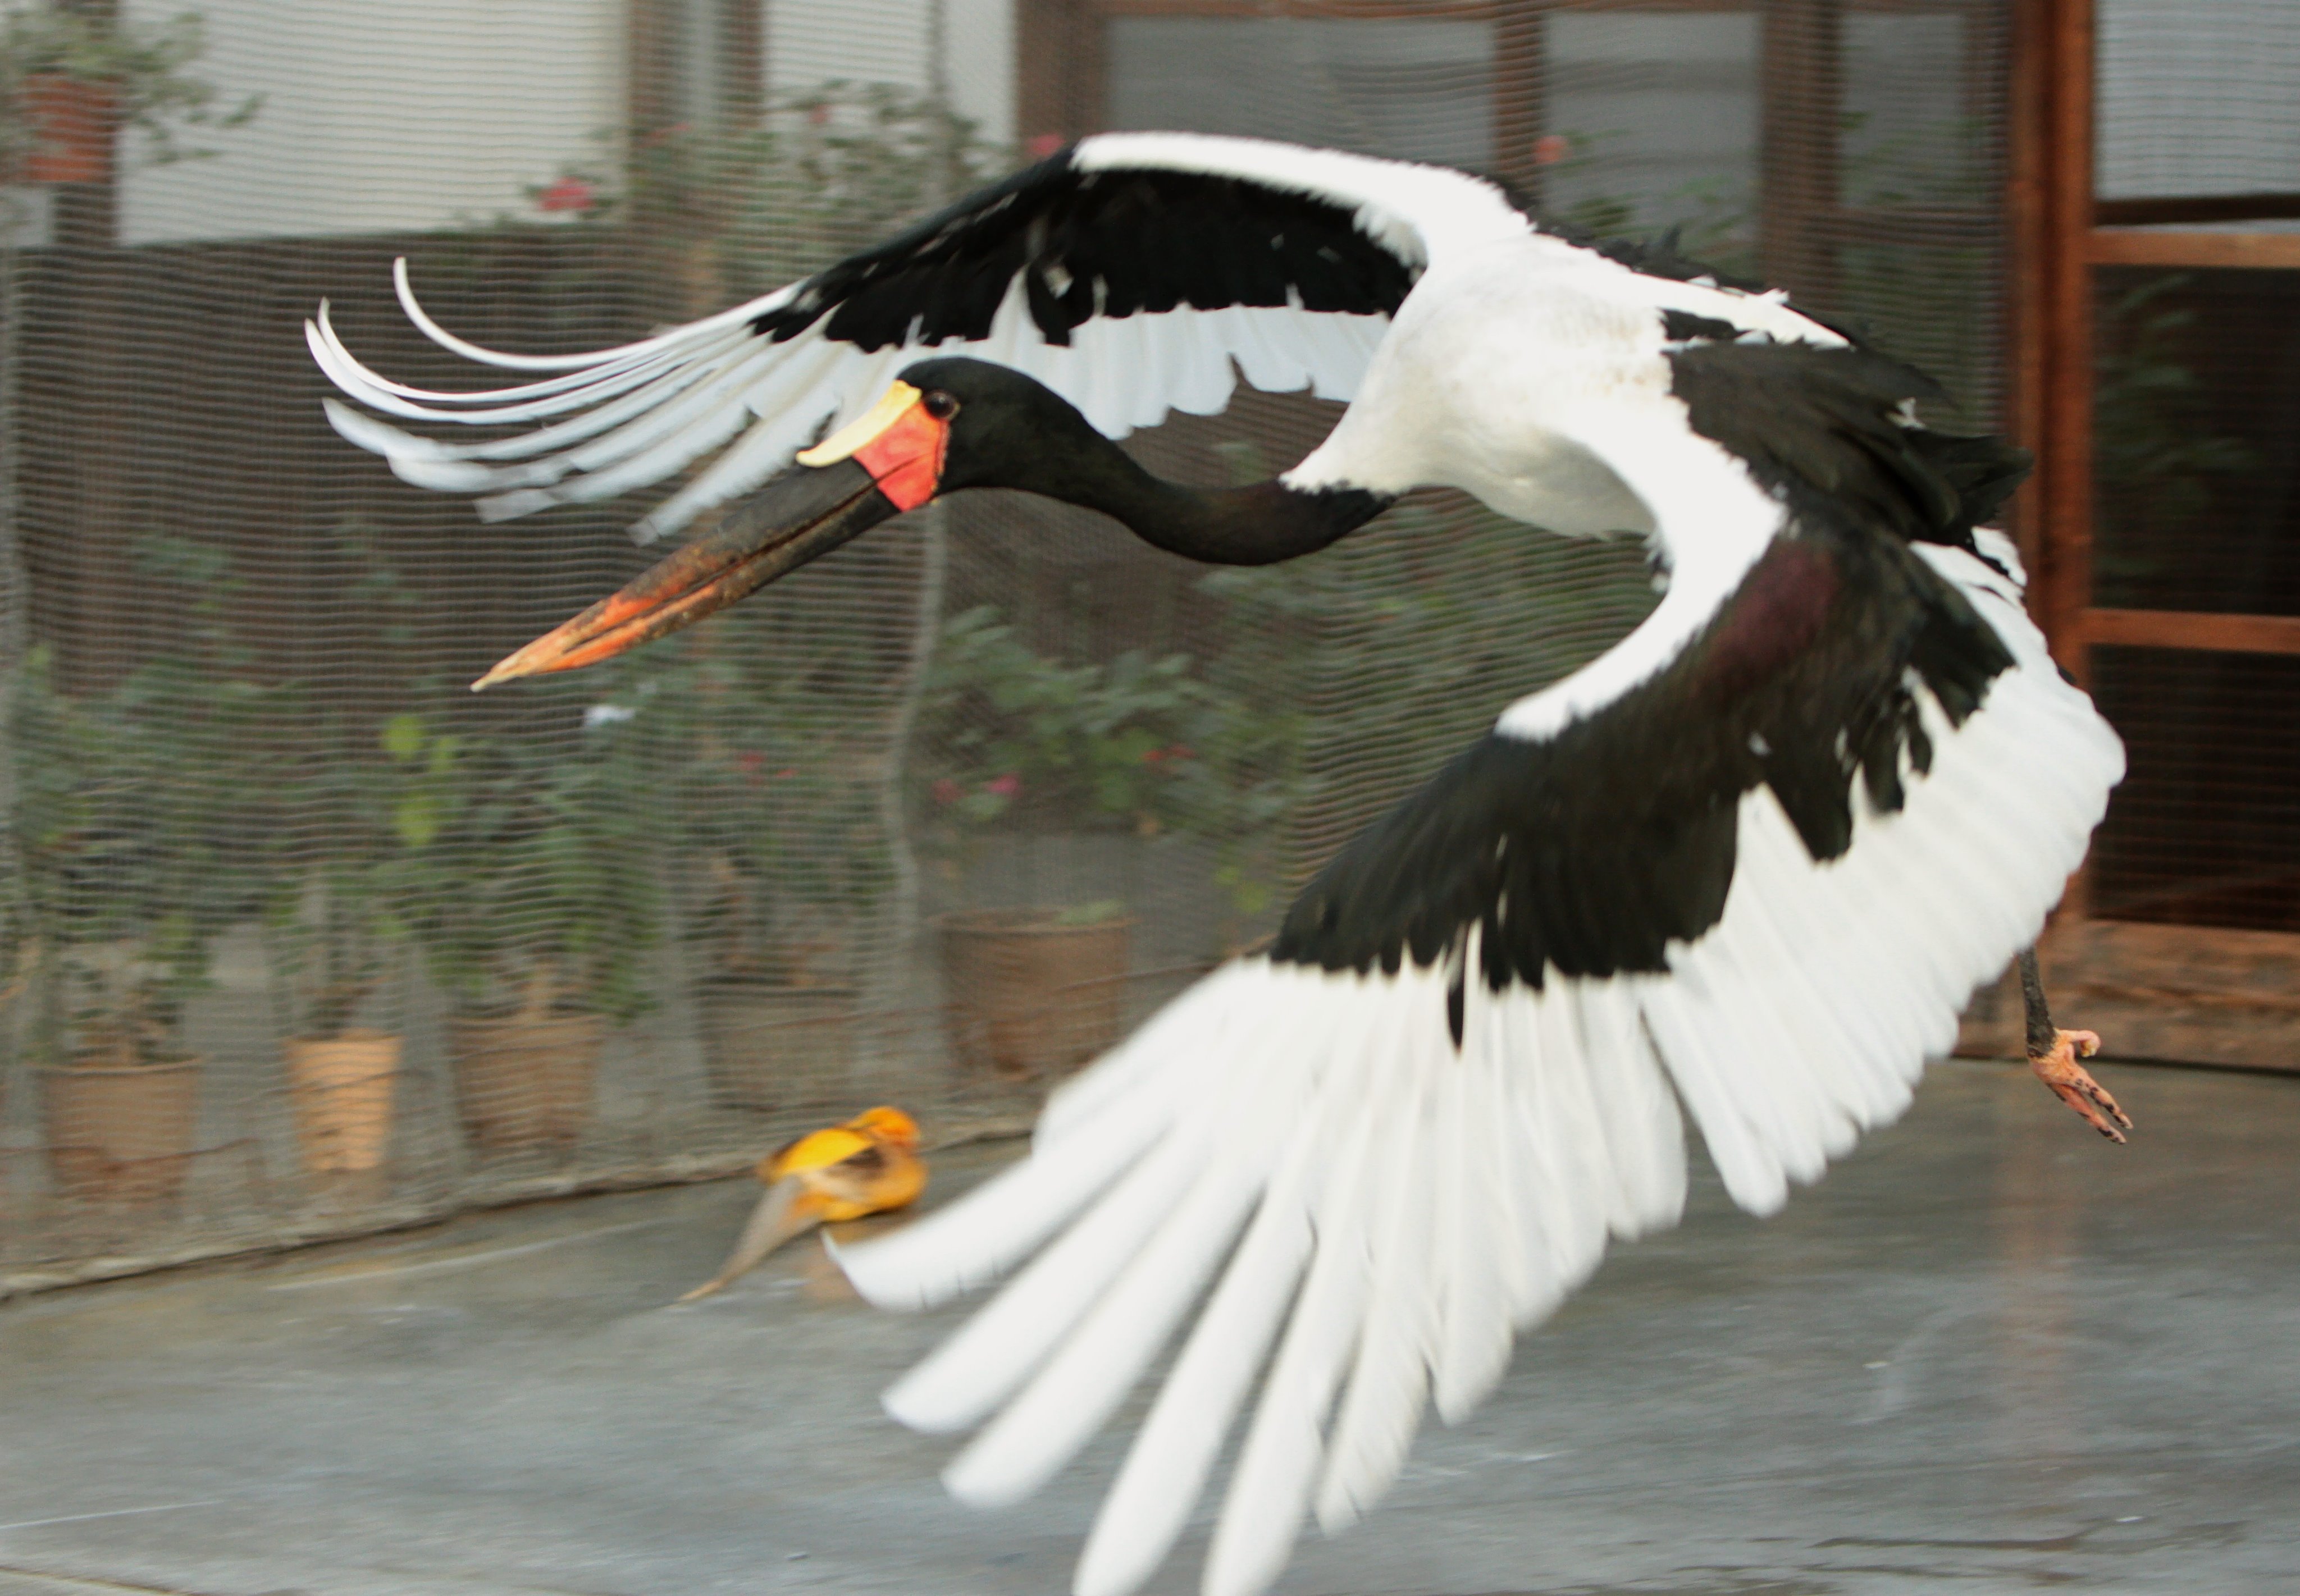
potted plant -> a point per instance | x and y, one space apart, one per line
533 896
1014 741
71 81
337 925
776 989
132 813
779 850
122 1108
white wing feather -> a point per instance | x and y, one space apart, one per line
623 419
1404 1207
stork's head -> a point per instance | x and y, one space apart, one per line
944 424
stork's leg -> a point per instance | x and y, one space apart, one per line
2053 1054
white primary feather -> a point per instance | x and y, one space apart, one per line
1069 1398
985 1362
1404 1205
625 417
1472 1233
1277 1467
1166 1467
1389 1376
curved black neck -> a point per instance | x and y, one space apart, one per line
1260 524
1257 524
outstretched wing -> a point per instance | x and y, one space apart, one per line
1134 274
1755 860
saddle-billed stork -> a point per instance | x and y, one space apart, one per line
1751 861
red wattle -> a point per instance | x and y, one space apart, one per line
906 459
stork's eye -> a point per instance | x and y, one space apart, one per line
940 405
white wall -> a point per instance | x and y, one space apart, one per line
391 115
812 42
380 115
2199 96
1663 112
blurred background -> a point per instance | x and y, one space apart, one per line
300 939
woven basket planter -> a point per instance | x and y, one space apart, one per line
768 1047
121 1133
1028 997
525 1083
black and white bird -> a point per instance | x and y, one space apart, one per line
1748 865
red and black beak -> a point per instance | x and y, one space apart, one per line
887 461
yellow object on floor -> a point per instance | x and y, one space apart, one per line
869 1165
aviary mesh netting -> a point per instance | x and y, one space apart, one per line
2196 459
299 937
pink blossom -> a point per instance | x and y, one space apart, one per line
1006 785
568 194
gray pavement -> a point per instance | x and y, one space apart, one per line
1990 1352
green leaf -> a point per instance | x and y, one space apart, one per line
416 819
403 736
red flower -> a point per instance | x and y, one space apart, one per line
1006 785
568 194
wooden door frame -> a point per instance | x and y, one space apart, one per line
2192 992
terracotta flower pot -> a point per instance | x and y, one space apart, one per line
768 1046
1028 997
341 1088
121 1133
73 123
525 1082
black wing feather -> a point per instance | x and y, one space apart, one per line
1101 243
1589 852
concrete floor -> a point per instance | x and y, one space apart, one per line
1990 1353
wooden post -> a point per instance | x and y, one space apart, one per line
1802 89
651 98
742 61
2064 586
2028 269
1060 50
87 214
1519 93
2048 224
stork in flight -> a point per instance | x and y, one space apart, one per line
1749 863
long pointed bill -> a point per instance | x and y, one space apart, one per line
890 460
779 1215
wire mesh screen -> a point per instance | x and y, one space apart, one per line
2197 481
302 937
